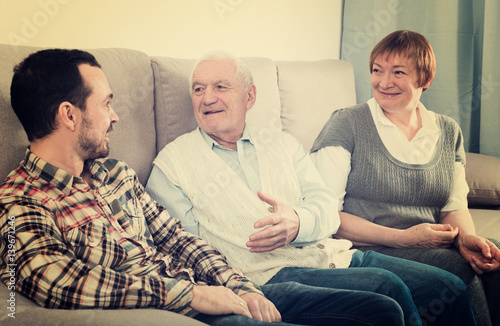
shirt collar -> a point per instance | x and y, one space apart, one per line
428 120
61 179
212 143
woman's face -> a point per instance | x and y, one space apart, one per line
395 83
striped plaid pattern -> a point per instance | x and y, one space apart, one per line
107 245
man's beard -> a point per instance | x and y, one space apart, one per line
93 148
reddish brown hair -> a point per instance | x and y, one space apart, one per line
412 45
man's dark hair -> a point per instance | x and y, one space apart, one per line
44 80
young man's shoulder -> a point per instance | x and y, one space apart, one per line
19 181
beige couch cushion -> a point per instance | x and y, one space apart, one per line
486 221
174 112
310 92
483 177
13 138
131 80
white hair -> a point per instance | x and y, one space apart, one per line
242 70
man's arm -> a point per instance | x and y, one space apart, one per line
172 240
318 213
232 293
163 191
48 271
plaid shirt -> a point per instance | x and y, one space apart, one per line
107 245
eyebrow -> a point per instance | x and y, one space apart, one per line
218 81
396 66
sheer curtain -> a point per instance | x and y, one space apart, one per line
465 36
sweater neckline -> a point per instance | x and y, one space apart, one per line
380 144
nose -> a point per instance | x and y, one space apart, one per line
114 117
386 80
210 96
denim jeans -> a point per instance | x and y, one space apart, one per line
484 289
301 304
440 296
426 294
375 290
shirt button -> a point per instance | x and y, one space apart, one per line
332 265
321 246
271 209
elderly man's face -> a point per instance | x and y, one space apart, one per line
220 102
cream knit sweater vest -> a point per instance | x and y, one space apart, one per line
226 209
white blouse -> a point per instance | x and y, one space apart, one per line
334 162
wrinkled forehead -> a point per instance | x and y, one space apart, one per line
210 71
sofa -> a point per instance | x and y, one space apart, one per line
151 98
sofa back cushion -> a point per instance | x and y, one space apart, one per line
174 111
131 80
13 140
309 93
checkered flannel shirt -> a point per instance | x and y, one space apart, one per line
107 245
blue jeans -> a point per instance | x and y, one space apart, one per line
301 304
427 295
374 290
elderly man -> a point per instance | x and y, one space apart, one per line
224 181
87 235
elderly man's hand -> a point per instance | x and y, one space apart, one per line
218 300
481 253
282 226
261 308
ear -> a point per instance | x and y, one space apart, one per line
428 83
252 96
68 116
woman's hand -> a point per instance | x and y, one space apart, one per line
427 235
481 253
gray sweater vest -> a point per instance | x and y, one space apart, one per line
381 188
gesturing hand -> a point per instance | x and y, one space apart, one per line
282 226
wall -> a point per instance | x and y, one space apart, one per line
278 29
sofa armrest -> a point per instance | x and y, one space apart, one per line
483 177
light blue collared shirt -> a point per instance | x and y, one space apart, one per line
318 215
